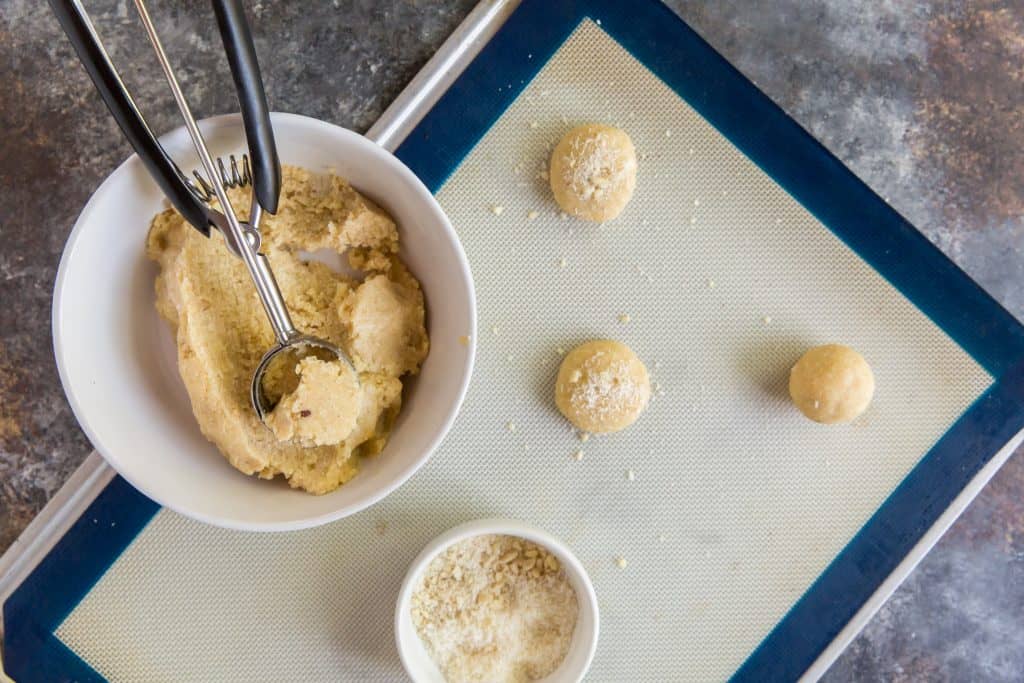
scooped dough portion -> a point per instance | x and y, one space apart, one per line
322 409
383 320
602 386
593 172
831 383
222 332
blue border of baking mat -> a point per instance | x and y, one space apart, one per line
812 175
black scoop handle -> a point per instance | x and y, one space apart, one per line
252 99
165 172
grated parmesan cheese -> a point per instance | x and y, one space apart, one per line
495 608
595 167
604 391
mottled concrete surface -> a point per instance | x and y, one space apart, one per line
924 99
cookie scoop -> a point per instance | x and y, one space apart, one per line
193 201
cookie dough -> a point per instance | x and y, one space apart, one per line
602 386
322 408
831 383
593 172
222 331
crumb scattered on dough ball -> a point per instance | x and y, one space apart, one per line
593 172
602 387
323 408
831 383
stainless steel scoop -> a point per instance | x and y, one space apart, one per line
242 238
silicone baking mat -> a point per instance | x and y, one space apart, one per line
751 536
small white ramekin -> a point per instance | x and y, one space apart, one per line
414 655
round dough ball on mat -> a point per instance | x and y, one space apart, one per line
602 386
593 172
831 383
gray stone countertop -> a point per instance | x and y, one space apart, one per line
923 99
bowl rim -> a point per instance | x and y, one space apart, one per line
96 439
506 527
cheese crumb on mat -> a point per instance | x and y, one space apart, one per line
495 608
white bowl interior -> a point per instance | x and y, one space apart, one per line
417 661
117 358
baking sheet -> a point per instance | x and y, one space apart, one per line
737 503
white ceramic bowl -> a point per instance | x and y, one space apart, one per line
117 358
414 655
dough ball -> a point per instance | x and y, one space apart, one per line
831 383
602 387
593 172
